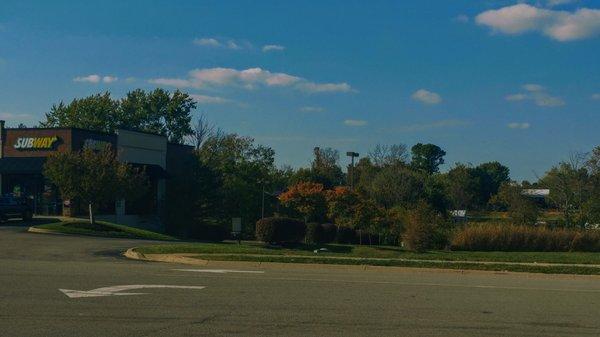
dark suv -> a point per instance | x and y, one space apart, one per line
14 208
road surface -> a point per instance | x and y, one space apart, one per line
270 300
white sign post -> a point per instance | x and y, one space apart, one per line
236 228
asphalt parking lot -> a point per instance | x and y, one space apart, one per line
55 285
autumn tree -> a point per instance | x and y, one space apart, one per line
94 177
307 199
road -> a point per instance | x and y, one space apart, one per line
281 300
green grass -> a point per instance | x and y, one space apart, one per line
581 270
373 252
105 229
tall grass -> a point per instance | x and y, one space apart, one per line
498 237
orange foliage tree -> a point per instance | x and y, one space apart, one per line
307 199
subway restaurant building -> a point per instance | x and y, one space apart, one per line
23 153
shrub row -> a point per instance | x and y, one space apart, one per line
525 238
280 230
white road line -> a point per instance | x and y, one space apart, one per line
115 290
222 271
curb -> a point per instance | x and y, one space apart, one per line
33 229
131 253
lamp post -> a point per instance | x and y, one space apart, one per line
352 155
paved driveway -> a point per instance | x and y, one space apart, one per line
270 300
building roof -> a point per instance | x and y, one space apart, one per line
536 192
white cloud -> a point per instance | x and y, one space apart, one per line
325 87
109 79
248 78
95 78
538 95
558 25
89 79
312 109
427 97
596 96
355 122
521 126
204 99
272 47
211 42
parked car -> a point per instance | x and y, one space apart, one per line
15 208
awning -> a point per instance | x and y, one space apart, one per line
22 165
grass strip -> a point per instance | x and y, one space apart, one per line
104 229
380 252
578 270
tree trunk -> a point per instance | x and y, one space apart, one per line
92 217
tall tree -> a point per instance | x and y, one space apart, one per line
97 112
157 111
384 155
427 157
95 177
491 176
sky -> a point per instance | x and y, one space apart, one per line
516 82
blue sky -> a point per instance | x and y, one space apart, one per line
485 80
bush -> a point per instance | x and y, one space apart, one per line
345 235
208 233
421 228
329 232
280 230
314 233
525 238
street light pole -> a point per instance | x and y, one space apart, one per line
352 155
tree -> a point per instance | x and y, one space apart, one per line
463 186
201 132
157 111
521 209
384 155
491 176
97 112
94 177
242 169
341 204
325 167
427 157
306 198
567 183
396 186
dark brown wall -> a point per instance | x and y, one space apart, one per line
63 144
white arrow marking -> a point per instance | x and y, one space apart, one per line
114 291
222 271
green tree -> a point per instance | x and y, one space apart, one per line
568 186
157 111
242 169
463 186
94 177
97 112
396 186
427 157
491 176
324 169
521 209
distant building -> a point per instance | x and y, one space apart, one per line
459 214
23 152
538 193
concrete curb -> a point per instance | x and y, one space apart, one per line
44 231
131 253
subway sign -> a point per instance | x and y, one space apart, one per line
35 143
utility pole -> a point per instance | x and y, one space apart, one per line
352 155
